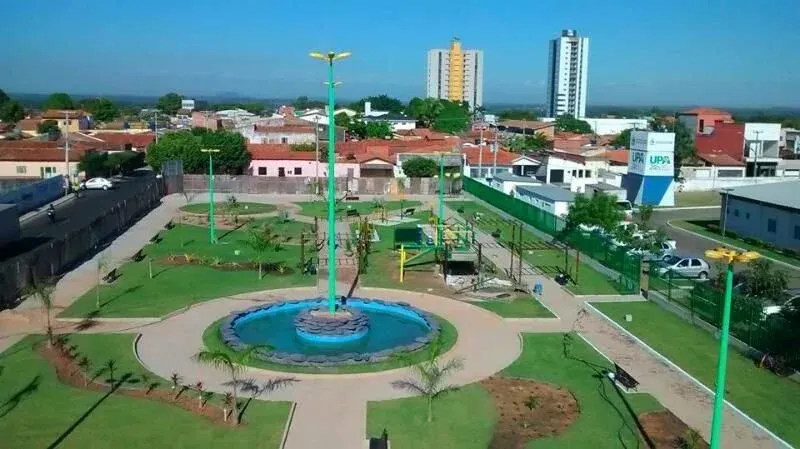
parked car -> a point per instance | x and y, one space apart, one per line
685 266
97 183
774 309
665 250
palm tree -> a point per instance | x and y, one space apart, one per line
110 366
260 240
175 378
102 266
431 375
227 404
199 387
43 292
231 364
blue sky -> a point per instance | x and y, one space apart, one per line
681 52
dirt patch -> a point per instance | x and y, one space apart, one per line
529 410
69 373
220 221
664 430
188 259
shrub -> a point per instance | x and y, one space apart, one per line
751 241
768 245
460 209
732 234
713 227
788 252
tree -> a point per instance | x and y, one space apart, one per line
124 162
58 100
454 117
782 337
342 119
420 167
170 103
4 97
102 109
379 103
763 282
645 215
568 123
185 146
261 239
517 114
11 111
527 143
684 147
43 292
48 127
379 130
431 375
598 210
623 139
233 157
110 366
94 164
304 103
232 365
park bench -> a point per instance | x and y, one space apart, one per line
169 225
155 238
111 276
352 213
625 379
408 212
350 197
380 443
138 256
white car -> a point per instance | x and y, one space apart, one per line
97 183
685 266
793 302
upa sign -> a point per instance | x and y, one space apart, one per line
652 154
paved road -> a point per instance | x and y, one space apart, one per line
692 245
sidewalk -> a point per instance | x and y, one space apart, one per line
676 392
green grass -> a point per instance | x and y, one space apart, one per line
37 416
213 341
690 199
699 226
772 401
463 419
320 208
548 260
605 419
222 207
134 294
527 307
99 349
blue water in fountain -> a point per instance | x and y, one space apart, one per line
389 327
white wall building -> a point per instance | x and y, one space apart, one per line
762 147
567 72
605 126
456 74
552 199
575 172
507 182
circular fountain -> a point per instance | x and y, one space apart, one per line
306 333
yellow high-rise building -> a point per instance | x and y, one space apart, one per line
456 74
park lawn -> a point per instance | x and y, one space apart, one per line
100 348
699 226
37 410
549 260
463 419
772 401
212 339
527 307
693 199
222 207
134 294
320 208
605 419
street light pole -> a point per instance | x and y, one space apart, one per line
725 213
758 150
66 156
212 232
730 257
329 58
316 139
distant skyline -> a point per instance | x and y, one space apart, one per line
724 53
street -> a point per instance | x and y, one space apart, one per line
692 245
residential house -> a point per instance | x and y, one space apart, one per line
723 138
713 166
37 159
125 141
572 170
280 160
702 120
762 148
790 140
29 126
480 162
398 122
528 128
68 121
206 119
507 182
608 126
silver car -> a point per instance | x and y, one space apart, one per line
685 266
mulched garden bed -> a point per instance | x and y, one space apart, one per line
69 373
529 410
666 431
267 268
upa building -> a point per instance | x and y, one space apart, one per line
651 168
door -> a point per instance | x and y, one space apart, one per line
556 176
281 172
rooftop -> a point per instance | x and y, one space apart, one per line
548 192
706 111
505 176
778 193
719 160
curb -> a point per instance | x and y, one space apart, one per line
674 366
670 209
33 213
698 235
288 425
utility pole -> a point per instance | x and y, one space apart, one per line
66 156
155 127
494 164
316 138
758 150
480 155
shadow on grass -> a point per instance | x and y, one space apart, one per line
127 291
15 399
86 414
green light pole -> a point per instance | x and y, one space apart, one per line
329 58
441 201
212 232
730 257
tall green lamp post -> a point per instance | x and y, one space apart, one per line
730 257
212 231
329 58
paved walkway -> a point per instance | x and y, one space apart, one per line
674 390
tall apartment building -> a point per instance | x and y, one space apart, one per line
456 74
567 71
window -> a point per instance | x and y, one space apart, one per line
588 173
21 169
736 212
700 127
747 215
797 232
696 263
684 263
284 140
298 170
771 225
262 171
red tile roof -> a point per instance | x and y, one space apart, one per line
617 157
37 153
285 129
136 140
706 111
278 152
720 160
54 114
29 124
727 138
503 157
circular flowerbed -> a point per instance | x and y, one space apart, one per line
392 328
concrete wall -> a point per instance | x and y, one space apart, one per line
305 185
696 185
51 258
30 169
307 168
31 196
753 219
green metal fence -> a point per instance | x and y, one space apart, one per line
627 266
